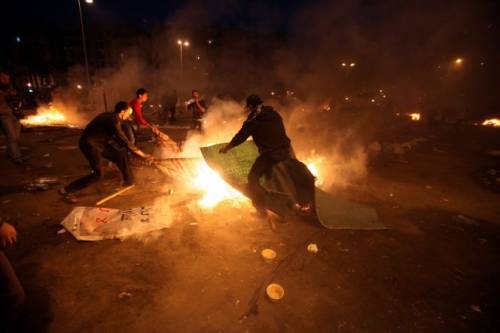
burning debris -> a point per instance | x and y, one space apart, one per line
493 122
414 116
47 116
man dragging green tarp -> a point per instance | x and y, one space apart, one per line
265 126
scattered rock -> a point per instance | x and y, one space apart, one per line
466 220
47 180
124 295
475 308
64 148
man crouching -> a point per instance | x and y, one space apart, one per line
265 126
104 138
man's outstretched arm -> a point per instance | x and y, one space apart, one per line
240 137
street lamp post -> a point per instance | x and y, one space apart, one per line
84 43
181 44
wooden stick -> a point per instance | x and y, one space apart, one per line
111 196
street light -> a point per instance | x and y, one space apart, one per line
182 44
84 43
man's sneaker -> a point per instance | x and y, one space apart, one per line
68 197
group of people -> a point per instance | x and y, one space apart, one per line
111 136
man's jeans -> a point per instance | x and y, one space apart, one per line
12 130
12 295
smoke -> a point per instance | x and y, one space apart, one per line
223 120
338 157
236 49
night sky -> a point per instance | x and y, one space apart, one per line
274 15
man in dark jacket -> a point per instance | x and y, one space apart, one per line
265 125
9 124
104 137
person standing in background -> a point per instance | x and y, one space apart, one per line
8 122
169 109
141 97
198 108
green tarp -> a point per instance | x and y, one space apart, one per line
332 212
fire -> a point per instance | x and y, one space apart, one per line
46 116
414 116
315 166
214 188
493 122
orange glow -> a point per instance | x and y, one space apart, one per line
315 165
493 122
46 116
213 187
414 116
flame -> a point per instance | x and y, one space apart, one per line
414 116
315 165
47 116
493 122
214 188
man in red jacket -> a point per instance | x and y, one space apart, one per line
136 105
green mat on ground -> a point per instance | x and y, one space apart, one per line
332 212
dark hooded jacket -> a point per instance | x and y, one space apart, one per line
266 128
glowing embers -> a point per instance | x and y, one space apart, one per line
213 187
414 116
493 122
47 116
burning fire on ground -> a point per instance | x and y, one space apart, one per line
214 189
47 116
493 122
414 116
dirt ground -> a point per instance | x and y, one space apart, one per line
436 269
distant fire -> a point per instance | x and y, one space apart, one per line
493 122
47 116
414 116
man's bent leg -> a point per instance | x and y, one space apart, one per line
12 296
93 156
119 158
256 192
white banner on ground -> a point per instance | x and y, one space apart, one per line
97 223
